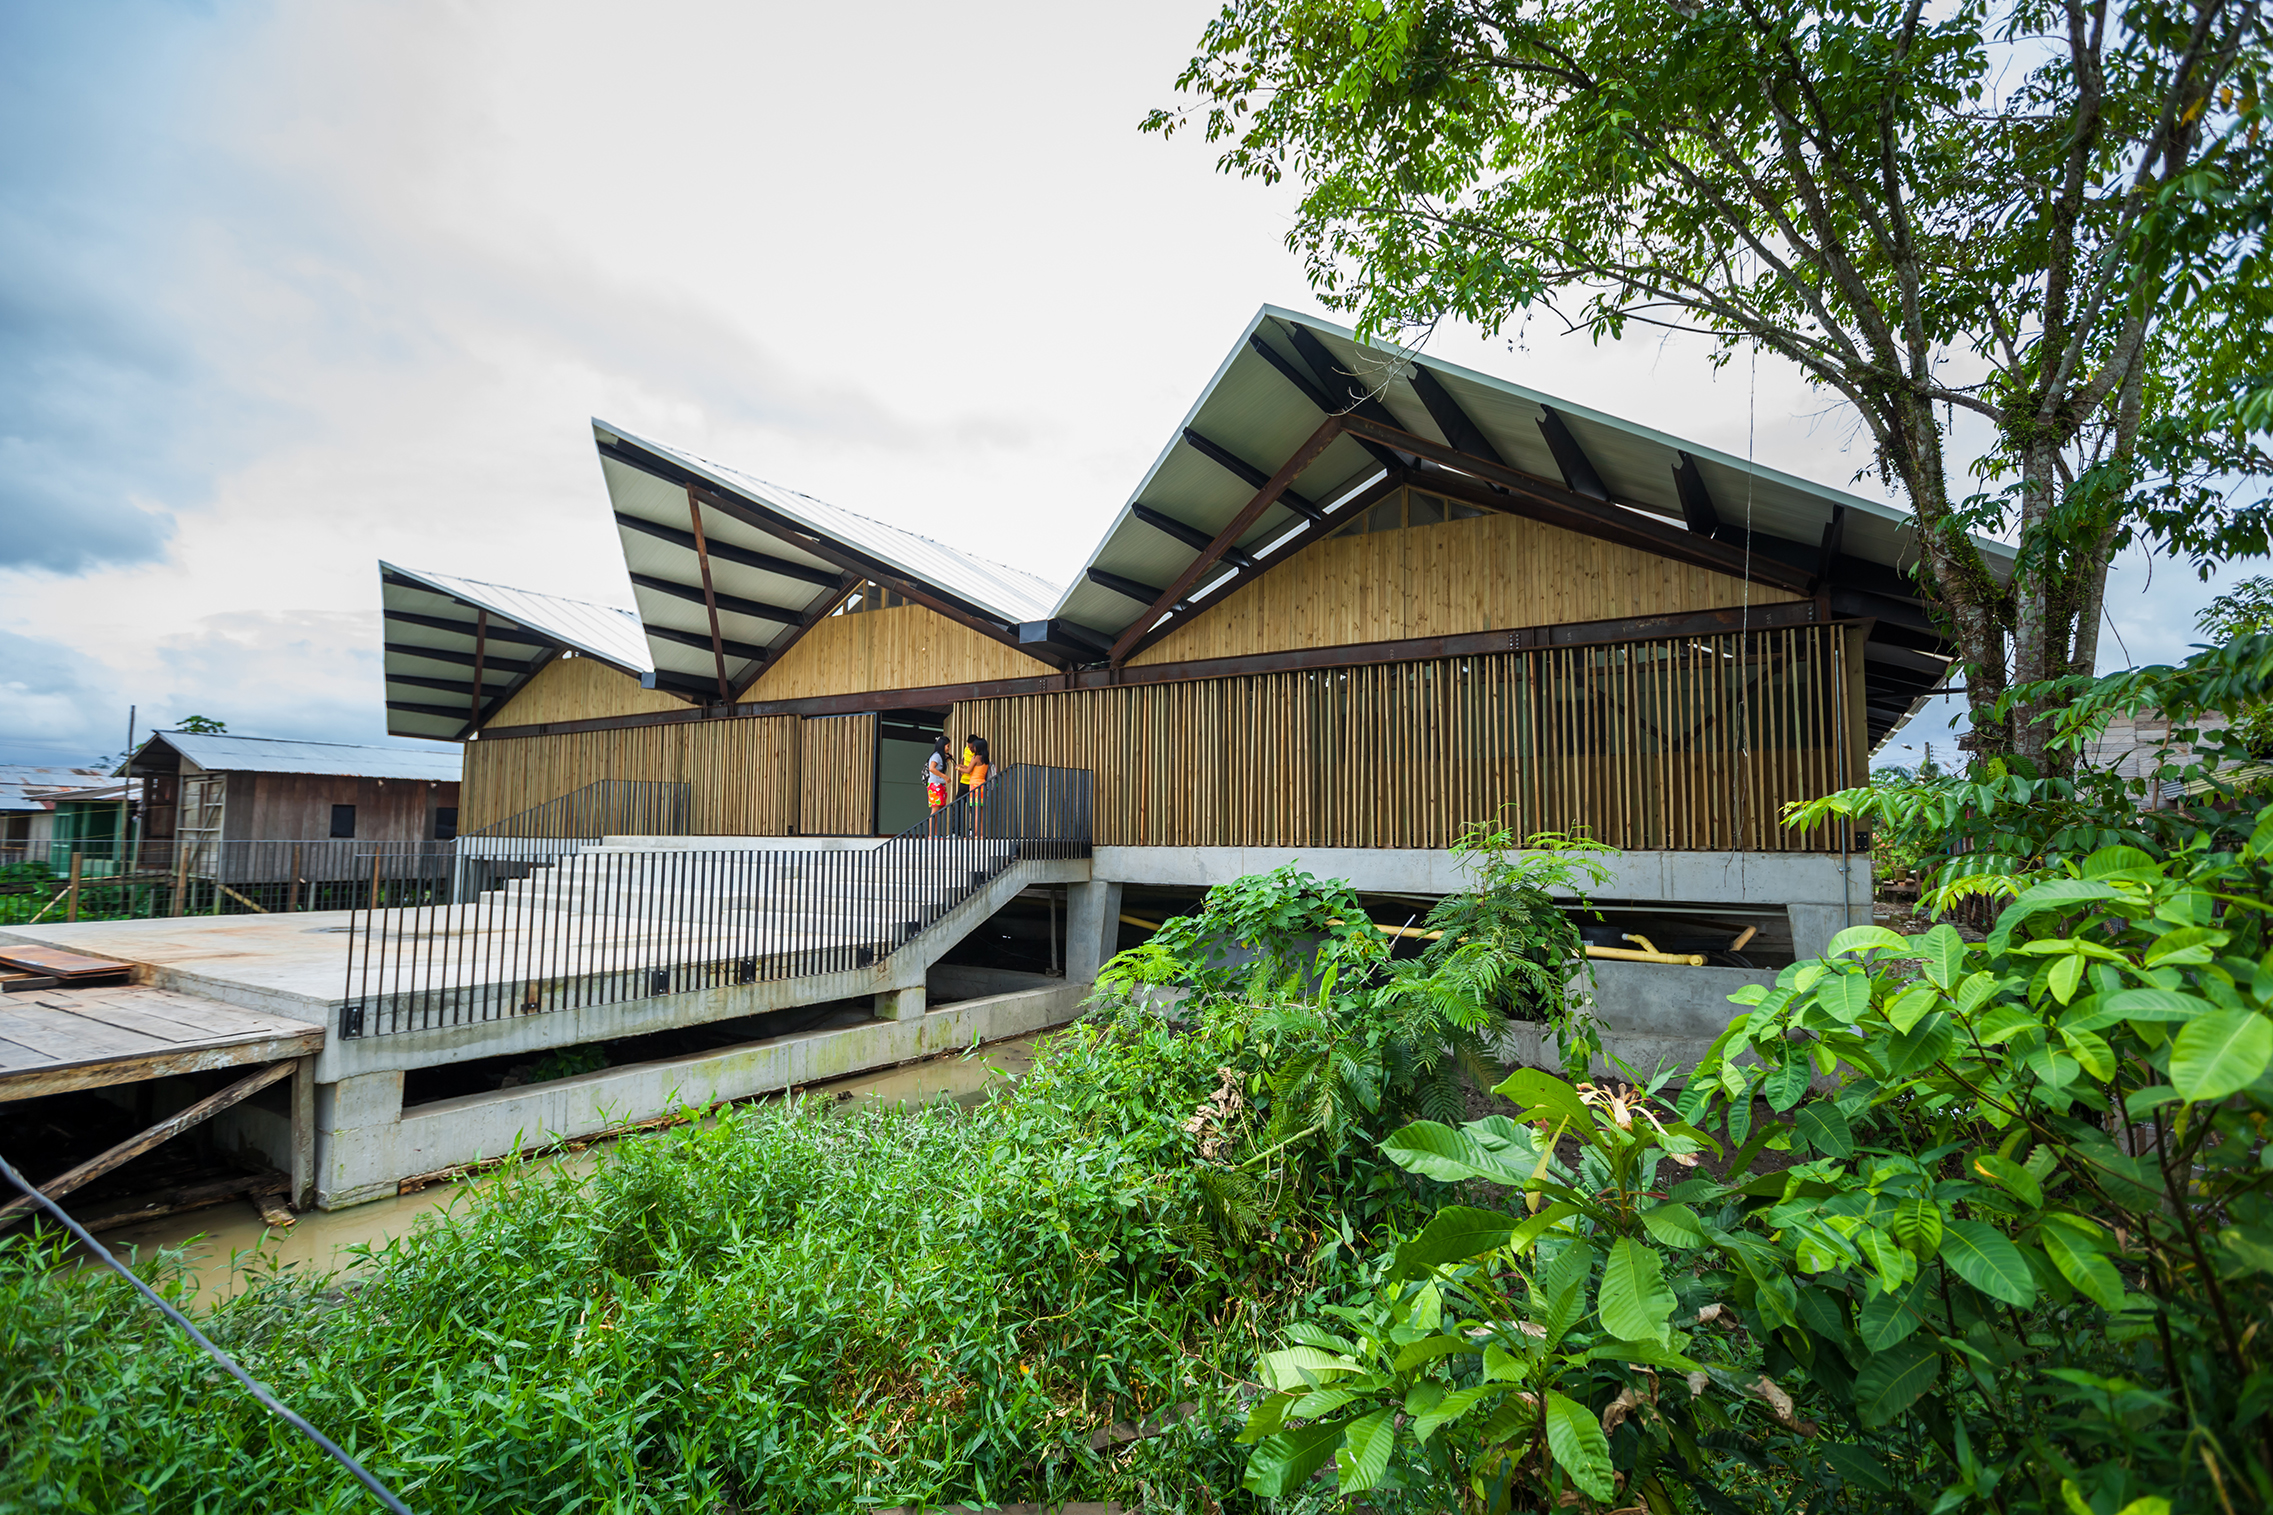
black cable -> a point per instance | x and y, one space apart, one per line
378 1490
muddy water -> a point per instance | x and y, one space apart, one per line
225 1243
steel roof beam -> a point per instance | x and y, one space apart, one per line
1143 594
1247 473
1464 434
1191 536
1302 380
440 686
1833 535
727 552
1358 398
732 603
508 632
1571 461
817 612
452 713
1697 511
747 651
520 680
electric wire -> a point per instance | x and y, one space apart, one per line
379 1491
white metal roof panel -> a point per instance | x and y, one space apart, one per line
602 631
31 786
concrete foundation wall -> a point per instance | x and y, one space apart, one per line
367 1143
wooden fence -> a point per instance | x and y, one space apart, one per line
1690 743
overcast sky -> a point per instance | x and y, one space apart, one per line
291 289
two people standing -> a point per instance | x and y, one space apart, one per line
970 776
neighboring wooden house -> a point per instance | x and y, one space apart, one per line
42 810
1358 602
207 795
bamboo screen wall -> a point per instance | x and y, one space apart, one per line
743 772
837 775
1689 743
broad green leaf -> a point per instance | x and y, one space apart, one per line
1674 1224
1428 1349
1320 1402
1439 1152
1575 1438
2011 1177
1857 1467
1911 1006
2090 1050
1449 1409
2212 1057
1917 1224
1985 1258
1541 1091
1364 1454
1846 998
2118 859
1635 1300
1866 939
1282 1463
2186 946
1944 952
1454 1234
1893 1379
2157 1005
1284 1369
1975 991
1823 1126
2066 974
2093 1275
1786 1084
1923 1045
2003 1022
1887 1318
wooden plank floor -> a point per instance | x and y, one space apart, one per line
52 1040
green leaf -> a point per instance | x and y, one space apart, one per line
2066 974
2212 1057
1575 1438
2157 1005
1537 1090
1823 1126
1887 1318
1674 1224
1866 939
1439 1152
2011 1177
1857 1467
1911 1006
1923 1045
1449 1409
2115 860
1454 1234
1787 1083
1282 1463
1944 952
2090 1050
2188 945
1364 1455
1846 998
1985 1258
1893 1379
1635 1300
2094 1276
1286 1369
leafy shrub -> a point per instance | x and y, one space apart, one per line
2017 1259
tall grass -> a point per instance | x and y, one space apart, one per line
791 1308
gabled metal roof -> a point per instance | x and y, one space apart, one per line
439 627
32 786
778 560
256 754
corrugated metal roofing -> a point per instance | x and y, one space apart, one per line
18 781
433 637
1252 410
257 754
766 582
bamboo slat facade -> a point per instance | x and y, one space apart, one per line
1443 577
1690 743
836 776
901 647
580 689
743 772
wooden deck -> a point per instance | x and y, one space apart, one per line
53 1040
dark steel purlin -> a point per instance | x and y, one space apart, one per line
731 603
681 683
434 654
1696 501
442 686
747 651
1061 632
506 632
1191 536
452 713
1143 594
1571 461
727 552
1302 380
709 598
1357 397
1463 434
1247 473
481 652
1249 514
1833 534
1348 510
817 612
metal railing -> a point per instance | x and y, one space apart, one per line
145 879
612 807
608 925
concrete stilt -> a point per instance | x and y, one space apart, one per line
900 1004
357 1121
1092 928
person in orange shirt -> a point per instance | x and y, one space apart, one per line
976 765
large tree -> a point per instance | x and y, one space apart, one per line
2035 212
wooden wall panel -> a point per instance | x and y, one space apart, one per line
581 689
904 647
1692 743
837 775
1484 573
297 806
742 772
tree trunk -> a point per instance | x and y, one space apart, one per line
1961 585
